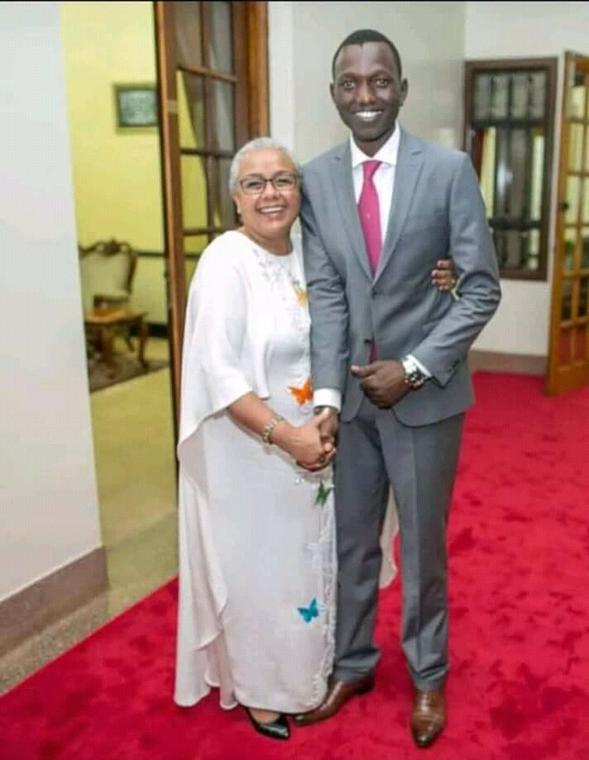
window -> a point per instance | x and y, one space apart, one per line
509 130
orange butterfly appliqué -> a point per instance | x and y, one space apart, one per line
301 295
304 394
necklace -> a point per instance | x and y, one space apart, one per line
300 291
285 277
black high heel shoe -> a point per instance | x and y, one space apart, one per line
278 729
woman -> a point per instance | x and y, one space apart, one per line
257 540
257 554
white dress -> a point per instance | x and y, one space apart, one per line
257 536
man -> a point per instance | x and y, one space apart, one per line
389 354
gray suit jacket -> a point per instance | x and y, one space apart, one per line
436 211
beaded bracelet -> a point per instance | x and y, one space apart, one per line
269 428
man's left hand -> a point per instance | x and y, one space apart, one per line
383 382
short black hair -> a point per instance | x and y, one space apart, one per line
359 37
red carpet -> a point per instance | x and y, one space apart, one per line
519 688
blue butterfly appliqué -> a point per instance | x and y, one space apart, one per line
310 612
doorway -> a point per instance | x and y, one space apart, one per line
111 83
568 361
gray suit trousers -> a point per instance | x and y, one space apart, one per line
375 449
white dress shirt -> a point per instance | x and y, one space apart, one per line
383 178
384 182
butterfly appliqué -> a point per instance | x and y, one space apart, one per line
303 394
301 293
325 488
310 612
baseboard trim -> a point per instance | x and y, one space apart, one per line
519 364
57 594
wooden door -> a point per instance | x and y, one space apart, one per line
568 360
213 93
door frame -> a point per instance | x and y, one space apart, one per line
556 380
253 22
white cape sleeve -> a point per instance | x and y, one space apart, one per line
213 377
214 331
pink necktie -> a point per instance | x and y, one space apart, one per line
370 220
370 214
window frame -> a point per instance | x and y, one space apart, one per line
549 66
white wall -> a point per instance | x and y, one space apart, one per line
303 38
525 29
522 30
48 502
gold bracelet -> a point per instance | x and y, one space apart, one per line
269 428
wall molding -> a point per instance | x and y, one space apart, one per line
50 598
519 364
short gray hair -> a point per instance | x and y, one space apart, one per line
258 143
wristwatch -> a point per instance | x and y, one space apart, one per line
414 377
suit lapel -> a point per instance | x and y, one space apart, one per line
409 163
344 192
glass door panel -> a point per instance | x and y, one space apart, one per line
194 192
187 25
220 47
570 245
580 344
576 132
583 298
191 110
222 104
585 248
569 341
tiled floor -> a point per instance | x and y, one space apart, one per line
134 453
133 441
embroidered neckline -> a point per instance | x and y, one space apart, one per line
286 281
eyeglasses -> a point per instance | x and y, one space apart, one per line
255 184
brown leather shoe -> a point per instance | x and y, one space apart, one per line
338 694
428 716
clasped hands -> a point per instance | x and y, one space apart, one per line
316 444
383 382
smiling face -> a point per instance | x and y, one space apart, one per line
267 216
368 92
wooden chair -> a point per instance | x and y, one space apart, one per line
107 268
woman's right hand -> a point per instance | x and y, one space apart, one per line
444 275
305 444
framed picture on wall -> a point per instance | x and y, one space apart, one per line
136 105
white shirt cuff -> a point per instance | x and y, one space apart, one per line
328 397
421 366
